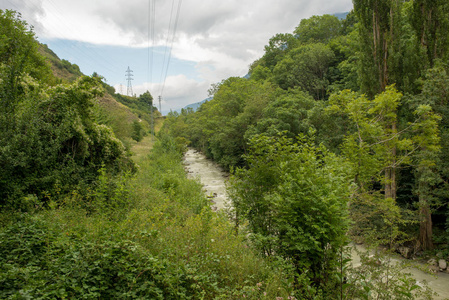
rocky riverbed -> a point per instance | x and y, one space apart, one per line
211 176
214 178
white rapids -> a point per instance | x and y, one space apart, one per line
211 176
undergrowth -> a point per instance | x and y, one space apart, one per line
151 236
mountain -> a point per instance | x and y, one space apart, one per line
193 106
197 105
342 15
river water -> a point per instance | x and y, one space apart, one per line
213 179
211 176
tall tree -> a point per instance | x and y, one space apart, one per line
306 67
379 38
431 24
318 29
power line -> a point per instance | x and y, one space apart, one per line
171 46
151 22
167 41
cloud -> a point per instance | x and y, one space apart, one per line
228 35
220 38
32 11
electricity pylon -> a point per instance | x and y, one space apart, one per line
129 76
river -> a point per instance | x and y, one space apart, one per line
213 179
211 176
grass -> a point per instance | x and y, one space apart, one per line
140 150
161 242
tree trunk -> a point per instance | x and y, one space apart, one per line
425 225
390 171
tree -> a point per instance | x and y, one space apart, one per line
431 25
294 196
278 46
18 56
56 143
379 36
306 67
318 29
146 98
431 165
374 149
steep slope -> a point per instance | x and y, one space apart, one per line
120 117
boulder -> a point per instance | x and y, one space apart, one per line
442 264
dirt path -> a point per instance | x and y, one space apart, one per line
213 179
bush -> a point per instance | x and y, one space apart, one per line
294 196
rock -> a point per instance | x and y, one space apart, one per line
433 269
442 264
405 252
432 262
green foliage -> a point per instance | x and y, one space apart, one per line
375 149
383 277
219 127
305 67
56 142
318 29
19 57
430 22
150 236
50 143
138 133
294 196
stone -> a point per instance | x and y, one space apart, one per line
433 269
432 262
405 252
442 264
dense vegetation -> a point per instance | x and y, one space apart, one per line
340 132
79 219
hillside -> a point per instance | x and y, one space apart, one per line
117 111
62 69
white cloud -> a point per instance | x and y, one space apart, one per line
221 37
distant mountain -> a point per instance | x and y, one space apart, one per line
197 105
342 15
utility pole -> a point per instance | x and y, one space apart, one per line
121 88
160 110
152 121
129 76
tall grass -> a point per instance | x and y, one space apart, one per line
150 236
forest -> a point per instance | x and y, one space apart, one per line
338 136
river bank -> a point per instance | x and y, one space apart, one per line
213 179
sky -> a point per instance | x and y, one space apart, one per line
176 49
